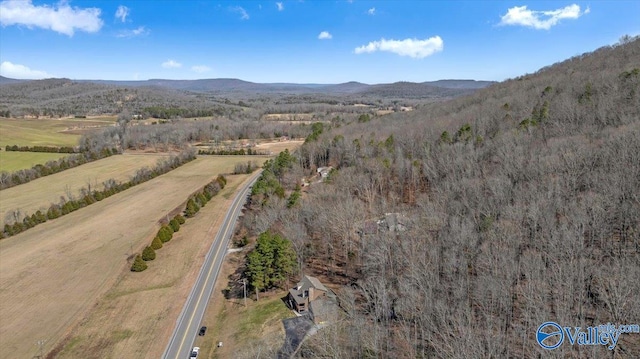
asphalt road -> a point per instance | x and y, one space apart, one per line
188 323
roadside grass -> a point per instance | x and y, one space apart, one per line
14 161
260 323
261 314
119 335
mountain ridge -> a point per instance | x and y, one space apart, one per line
221 85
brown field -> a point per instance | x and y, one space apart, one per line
58 273
40 193
276 147
293 117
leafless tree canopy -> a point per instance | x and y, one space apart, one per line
460 245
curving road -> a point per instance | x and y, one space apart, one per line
188 322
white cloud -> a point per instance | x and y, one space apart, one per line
141 30
520 15
408 47
371 11
325 35
15 71
243 13
280 6
171 64
200 68
61 18
122 13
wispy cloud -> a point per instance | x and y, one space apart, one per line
371 11
60 18
140 31
171 64
200 68
325 35
280 6
408 47
240 10
122 13
17 71
540 20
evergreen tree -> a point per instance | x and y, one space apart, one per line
272 260
156 243
148 254
138 264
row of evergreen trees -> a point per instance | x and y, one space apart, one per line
47 149
23 176
111 187
166 231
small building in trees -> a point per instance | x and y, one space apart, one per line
307 290
323 172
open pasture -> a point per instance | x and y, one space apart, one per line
41 192
48 131
11 161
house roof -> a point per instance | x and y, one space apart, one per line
314 282
304 285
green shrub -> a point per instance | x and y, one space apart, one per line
156 243
148 254
175 225
180 219
165 233
138 264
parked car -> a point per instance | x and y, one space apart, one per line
194 352
202 331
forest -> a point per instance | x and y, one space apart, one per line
455 230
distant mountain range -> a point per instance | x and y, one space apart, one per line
440 88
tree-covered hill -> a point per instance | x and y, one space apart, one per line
457 229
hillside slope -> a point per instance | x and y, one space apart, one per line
459 228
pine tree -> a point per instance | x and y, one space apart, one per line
156 243
272 260
148 254
138 264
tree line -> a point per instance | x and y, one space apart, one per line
88 196
47 149
166 231
8 179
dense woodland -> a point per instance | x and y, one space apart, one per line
516 205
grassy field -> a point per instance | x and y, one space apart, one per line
70 275
47 132
13 161
40 193
147 304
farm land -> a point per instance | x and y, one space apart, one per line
56 273
67 281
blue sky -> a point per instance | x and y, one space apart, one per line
322 41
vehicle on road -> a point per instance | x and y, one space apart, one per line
194 352
202 331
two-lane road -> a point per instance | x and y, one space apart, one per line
188 323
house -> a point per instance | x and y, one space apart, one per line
323 172
306 291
